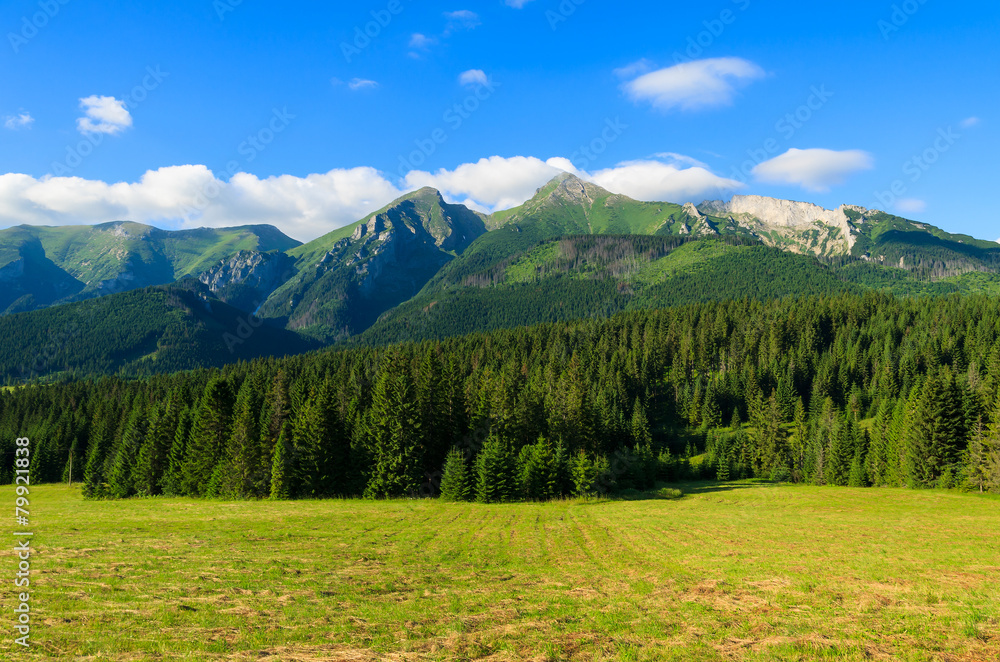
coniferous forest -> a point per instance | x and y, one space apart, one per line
860 390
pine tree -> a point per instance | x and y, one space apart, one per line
321 447
243 451
209 434
280 467
496 472
172 482
735 423
586 473
276 412
771 439
858 476
394 434
937 435
711 415
843 450
100 441
639 427
457 481
121 480
722 472
435 436
537 471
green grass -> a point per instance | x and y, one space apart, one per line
730 572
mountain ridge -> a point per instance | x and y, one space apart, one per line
420 252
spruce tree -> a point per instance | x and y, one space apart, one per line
281 467
938 435
121 479
457 481
209 434
242 453
586 473
394 434
172 482
496 468
858 476
639 427
537 471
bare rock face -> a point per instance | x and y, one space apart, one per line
248 277
576 191
797 222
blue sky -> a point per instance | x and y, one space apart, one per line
220 112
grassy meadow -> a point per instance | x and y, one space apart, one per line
738 571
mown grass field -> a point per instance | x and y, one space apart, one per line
732 572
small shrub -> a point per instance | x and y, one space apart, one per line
668 493
781 475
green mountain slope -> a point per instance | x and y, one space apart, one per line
344 280
535 266
927 252
596 276
40 266
150 330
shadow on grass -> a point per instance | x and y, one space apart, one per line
674 491
707 487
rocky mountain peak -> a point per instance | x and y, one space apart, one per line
760 212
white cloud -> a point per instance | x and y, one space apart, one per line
21 121
634 69
191 196
362 84
473 77
815 170
516 4
306 207
493 183
421 41
694 85
970 122
911 206
103 115
500 183
680 158
462 19
656 181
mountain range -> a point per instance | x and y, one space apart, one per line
423 268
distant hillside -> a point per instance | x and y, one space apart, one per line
151 330
41 266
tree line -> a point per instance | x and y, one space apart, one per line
863 390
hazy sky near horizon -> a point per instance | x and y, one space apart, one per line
308 115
